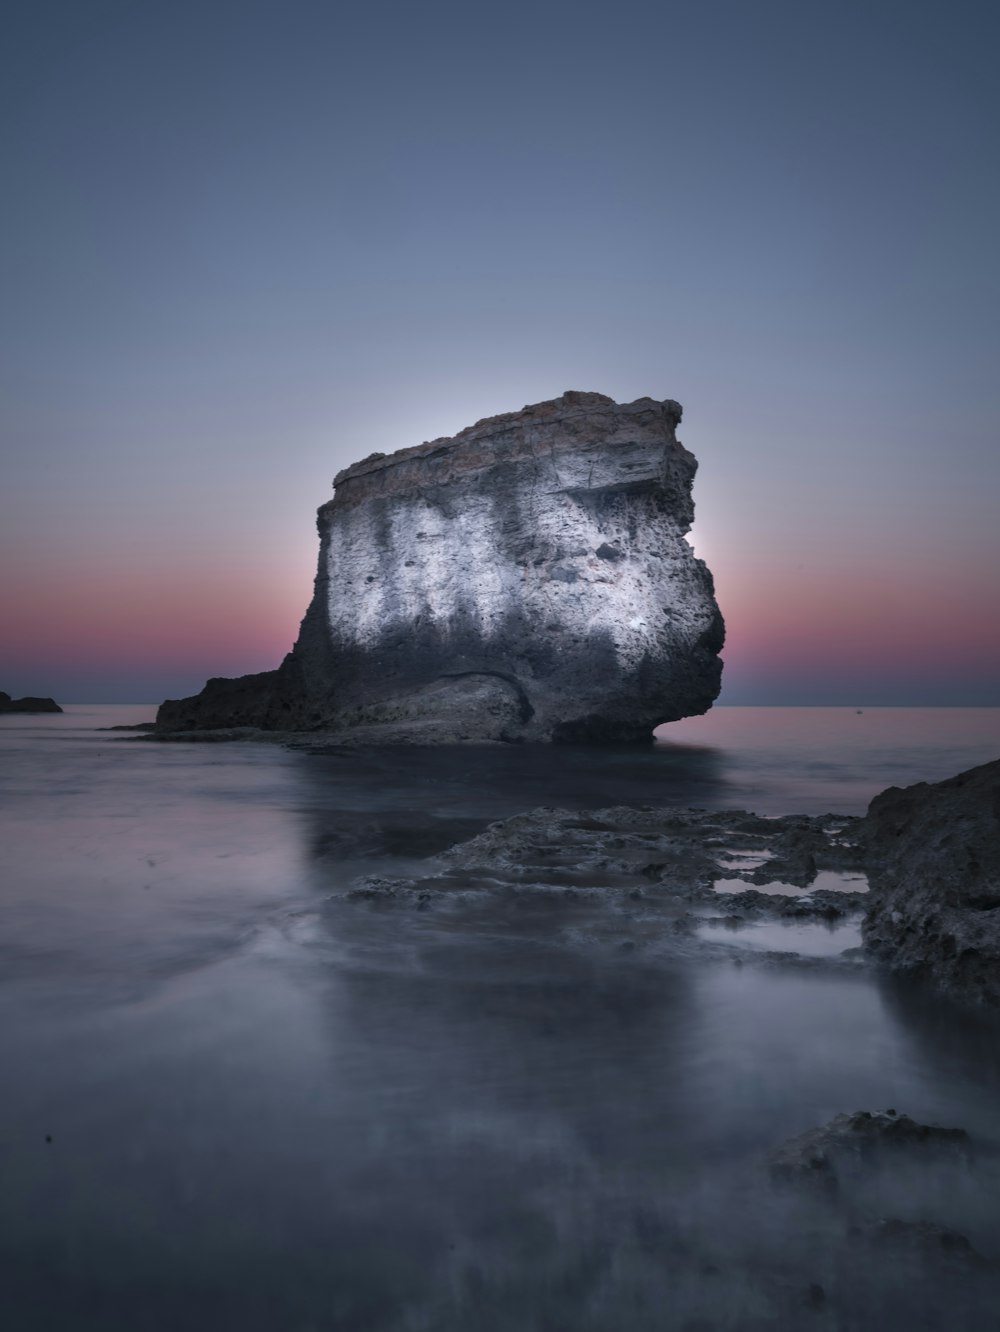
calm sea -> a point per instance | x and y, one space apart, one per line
230 1102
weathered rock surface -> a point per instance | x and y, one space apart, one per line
933 852
8 704
527 579
668 870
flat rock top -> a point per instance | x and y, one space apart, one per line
571 406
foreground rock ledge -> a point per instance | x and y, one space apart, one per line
527 579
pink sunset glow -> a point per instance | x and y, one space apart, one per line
856 632
136 622
202 327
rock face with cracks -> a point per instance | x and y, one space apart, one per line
527 579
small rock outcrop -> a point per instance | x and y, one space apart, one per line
8 704
527 579
817 1153
933 855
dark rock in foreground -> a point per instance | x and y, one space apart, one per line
8 704
815 1154
857 1163
934 857
527 579
924 864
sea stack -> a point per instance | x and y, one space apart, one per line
527 579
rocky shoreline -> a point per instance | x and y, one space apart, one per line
919 873
663 881
934 855
928 856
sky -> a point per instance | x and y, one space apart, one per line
247 242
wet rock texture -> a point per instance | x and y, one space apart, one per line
664 871
8 704
933 852
527 579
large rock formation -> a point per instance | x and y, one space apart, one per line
527 579
933 853
8 704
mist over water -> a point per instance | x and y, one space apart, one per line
236 1100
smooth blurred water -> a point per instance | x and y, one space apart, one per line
231 1102
814 760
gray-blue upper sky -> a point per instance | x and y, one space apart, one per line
247 243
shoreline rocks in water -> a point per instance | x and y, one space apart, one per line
669 873
526 580
923 866
817 1153
23 705
933 852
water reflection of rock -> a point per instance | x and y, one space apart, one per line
398 804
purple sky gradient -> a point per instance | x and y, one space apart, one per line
246 244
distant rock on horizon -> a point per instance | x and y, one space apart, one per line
526 579
8 704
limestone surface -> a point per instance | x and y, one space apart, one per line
526 579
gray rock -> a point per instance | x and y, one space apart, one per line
9 705
816 1154
249 701
657 864
527 579
933 852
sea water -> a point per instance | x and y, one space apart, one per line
234 1099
